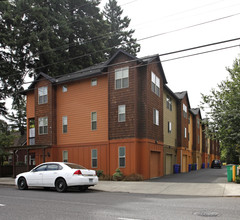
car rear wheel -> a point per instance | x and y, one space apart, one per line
22 183
61 185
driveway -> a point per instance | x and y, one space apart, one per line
209 175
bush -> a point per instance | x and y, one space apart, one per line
237 180
118 175
134 177
99 173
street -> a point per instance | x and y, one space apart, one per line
94 204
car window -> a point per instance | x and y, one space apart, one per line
75 166
40 168
54 167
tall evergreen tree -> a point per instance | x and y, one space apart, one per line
57 36
120 36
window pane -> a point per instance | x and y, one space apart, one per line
122 162
118 74
122 151
125 72
94 153
157 82
125 83
94 116
118 84
94 125
121 109
94 163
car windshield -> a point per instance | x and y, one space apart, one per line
75 166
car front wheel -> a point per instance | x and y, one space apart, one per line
22 183
61 185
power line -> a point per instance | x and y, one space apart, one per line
113 33
172 59
169 53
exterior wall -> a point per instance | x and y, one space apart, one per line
170 139
190 132
30 110
77 104
154 132
45 110
169 116
125 96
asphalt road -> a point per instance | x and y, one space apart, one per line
92 204
215 175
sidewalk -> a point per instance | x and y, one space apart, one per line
162 188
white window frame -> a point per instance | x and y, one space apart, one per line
121 157
155 117
155 84
93 121
121 77
64 88
169 103
184 111
94 158
185 132
64 124
43 122
42 95
65 156
94 82
169 127
121 113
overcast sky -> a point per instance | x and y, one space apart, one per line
195 74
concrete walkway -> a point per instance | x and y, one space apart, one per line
162 188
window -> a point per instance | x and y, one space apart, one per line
51 167
169 103
121 78
122 156
43 95
94 158
155 117
64 88
169 127
155 84
94 82
40 168
65 156
121 113
185 132
94 120
43 125
64 124
184 111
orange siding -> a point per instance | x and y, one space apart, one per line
77 104
30 105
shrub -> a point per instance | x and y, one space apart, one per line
134 177
118 175
237 180
99 173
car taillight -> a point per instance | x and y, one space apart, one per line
78 172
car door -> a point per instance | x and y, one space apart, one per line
35 176
52 172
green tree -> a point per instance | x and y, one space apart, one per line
6 140
120 37
223 105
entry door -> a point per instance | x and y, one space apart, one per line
168 164
154 164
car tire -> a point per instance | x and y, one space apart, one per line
61 185
22 183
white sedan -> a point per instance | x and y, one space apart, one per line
59 175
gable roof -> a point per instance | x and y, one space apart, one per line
96 70
181 96
170 91
196 111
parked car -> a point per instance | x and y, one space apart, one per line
216 163
59 175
